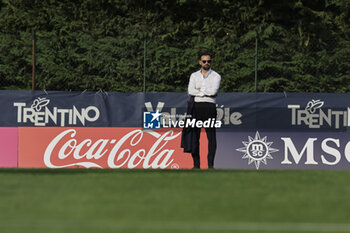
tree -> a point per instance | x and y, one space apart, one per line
303 45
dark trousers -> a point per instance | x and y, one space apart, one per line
203 111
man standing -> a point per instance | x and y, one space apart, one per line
204 85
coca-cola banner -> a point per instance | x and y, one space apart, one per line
62 147
8 146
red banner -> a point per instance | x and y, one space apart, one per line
8 146
62 147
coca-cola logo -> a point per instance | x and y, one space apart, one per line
123 153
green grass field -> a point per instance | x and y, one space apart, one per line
173 201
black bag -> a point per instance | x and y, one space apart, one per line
187 133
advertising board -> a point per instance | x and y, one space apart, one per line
94 147
138 130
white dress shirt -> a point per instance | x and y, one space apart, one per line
208 86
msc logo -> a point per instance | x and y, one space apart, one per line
151 120
257 150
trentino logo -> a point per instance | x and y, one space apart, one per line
257 150
39 103
39 114
313 105
151 120
314 116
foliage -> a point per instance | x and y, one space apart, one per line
303 45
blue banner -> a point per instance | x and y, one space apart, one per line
243 111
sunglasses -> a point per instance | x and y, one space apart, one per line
205 61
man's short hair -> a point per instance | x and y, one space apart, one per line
204 54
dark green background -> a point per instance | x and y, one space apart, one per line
303 45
